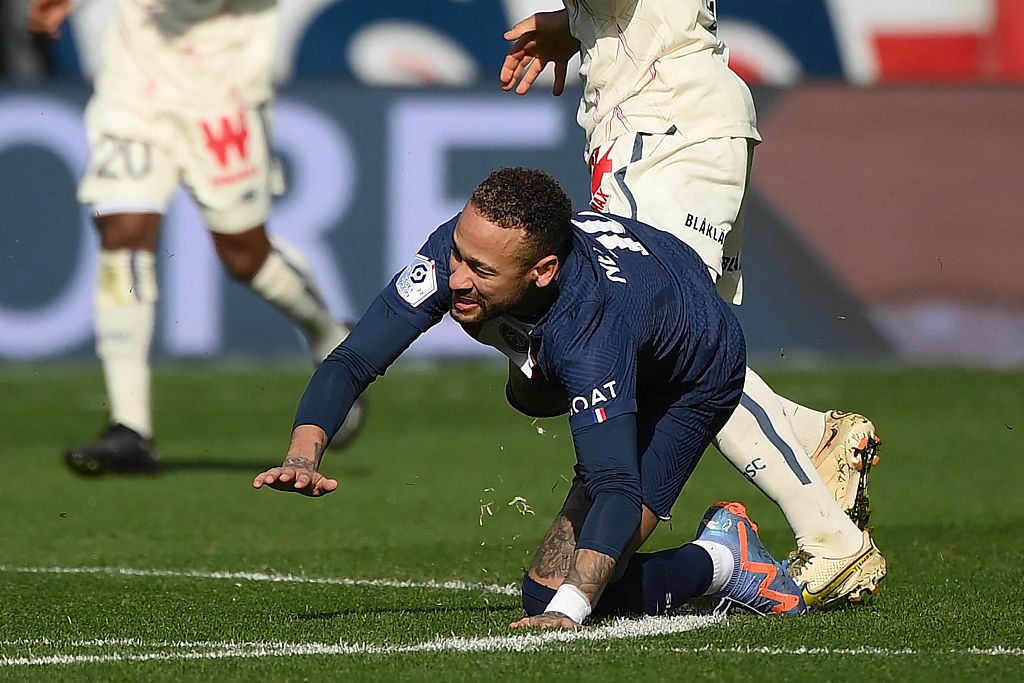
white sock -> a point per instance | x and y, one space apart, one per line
759 441
126 295
808 424
286 281
722 561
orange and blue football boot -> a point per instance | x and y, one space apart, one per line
758 583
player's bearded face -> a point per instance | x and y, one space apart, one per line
489 277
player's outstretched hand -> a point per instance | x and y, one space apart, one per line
46 16
547 620
538 40
298 476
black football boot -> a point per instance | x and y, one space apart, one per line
118 450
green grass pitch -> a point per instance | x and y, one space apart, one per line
425 496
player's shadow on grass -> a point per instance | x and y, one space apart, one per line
327 616
210 465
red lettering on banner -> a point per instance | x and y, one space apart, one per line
929 56
229 137
1009 36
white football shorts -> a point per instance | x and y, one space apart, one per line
139 155
696 191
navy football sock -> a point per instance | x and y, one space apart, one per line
653 583
536 596
656 582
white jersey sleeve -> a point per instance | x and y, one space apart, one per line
649 65
190 52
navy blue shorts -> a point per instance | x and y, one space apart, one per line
671 442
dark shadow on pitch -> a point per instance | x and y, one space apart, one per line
208 465
438 609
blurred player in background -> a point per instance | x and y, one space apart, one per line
22 57
555 292
182 97
671 132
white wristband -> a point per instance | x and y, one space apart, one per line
570 601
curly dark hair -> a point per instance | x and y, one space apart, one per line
533 201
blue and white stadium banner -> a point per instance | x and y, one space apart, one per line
458 43
837 263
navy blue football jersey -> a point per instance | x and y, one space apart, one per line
636 328
637 319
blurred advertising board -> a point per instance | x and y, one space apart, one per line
875 229
772 42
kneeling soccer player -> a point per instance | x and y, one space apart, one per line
623 319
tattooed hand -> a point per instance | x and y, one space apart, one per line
299 472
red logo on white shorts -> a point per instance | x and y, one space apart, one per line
599 168
229 137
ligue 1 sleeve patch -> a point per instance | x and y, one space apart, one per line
418 281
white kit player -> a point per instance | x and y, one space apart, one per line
671 132
181 97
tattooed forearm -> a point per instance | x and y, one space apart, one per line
300 461
591 571
554 555
307 447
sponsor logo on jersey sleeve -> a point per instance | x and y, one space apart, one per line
418 281
597 395
600 404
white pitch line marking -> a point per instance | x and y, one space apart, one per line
184 650
619 630
507 589
192 650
